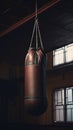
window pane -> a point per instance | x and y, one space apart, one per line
69 95
68 115
59 113
58 105
69 112
58 56
69 102
59 97
72 114
62 96
69 52
56 98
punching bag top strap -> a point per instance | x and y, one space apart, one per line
36 31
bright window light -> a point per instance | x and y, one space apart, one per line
58 56
63 55
69 53
63 105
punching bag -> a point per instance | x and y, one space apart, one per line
35 98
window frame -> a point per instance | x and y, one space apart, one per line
65 106
66 62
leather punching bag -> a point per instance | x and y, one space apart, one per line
35 99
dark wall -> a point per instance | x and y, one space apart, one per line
8 93
12 96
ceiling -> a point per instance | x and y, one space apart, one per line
12 11
16 25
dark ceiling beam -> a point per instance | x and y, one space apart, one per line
25 19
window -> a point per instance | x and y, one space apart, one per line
63 55
63 105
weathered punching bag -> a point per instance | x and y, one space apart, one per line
35 99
